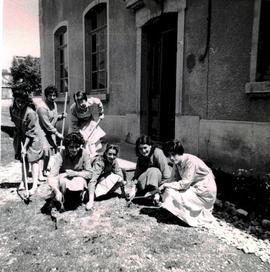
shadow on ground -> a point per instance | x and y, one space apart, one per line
162 216
8 130
8 185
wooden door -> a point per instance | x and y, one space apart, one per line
158 77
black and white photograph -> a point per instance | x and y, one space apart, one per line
135 135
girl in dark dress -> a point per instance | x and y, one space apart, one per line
28 137
152 167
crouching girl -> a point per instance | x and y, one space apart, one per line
107 175
71 168
191 192
152 168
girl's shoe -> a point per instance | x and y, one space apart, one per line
132 193
89 206
42 178
45 173
156 200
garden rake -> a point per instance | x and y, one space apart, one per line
150 194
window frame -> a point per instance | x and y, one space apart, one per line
102 93
58 66
255 87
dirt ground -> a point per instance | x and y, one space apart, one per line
113 238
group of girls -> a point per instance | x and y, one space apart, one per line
76 171
36 135
187 189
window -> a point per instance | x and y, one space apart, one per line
61 59
260 50
263 60
96 49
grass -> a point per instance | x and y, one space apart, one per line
113 238
7 151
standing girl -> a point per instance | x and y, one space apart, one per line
82 120
28 137
48 117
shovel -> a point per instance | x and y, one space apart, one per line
92 144
26 197
92 131
63 124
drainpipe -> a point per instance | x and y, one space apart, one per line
207 44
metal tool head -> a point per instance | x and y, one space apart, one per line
24 197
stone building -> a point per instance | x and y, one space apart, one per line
198 70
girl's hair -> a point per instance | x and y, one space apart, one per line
51 89
25 96
112 146
173 147
73 137
80 95
142 141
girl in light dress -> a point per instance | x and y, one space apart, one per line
191 191
82 120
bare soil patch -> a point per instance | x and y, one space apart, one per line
113 238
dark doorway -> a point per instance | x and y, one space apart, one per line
159 40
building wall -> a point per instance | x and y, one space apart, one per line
236 144
122 55
218 121
215 88
227 144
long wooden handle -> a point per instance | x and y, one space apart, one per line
25 174
96 125
63 124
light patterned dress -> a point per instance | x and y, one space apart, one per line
83 121
48 117
82 118
194 192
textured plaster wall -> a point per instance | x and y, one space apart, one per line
235 144
215 106
215 88
228 145
122 59
195 73
53 13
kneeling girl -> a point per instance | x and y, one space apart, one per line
191 192
71 168
107 176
